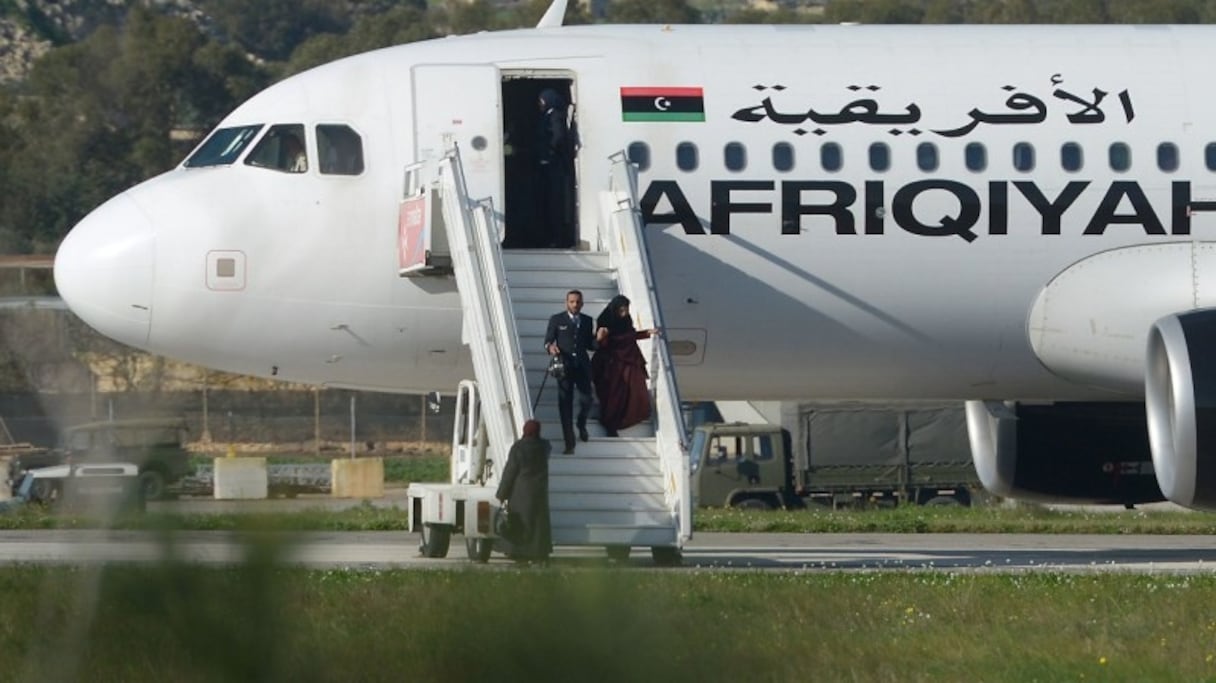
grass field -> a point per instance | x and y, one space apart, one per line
1023 519
264 623
423 464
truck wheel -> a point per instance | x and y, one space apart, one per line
435 540
666 556
618 553
943 501
43 491
752 504
479 549
152 484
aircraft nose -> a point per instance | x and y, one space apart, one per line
104 270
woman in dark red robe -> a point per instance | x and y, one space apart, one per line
618 369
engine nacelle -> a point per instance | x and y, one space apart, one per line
1180 399
1095 453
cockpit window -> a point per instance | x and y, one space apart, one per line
282 149
340 150
223 147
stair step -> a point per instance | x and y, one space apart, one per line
548 415
554 259
532 334
543 310
603 466
562 483
613 535
555 295
563 279
616 518
607 501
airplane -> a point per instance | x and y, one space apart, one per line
1019 217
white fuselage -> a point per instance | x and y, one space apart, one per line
897 282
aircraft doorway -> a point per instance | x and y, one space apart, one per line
541 174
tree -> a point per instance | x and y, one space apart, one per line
459 18
1156 11
752 15
1077 12
271 29
1008 12
652 12
528 13
402 24
945 12
874 11
94 118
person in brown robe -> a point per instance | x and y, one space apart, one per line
618 369
525 490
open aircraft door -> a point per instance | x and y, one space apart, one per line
461 104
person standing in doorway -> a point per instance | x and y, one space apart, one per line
554 169
570 336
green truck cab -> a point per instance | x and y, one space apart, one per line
743 465
154 445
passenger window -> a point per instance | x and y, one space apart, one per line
1167 157
281 149
975 156
1120 156
926 156
639 155
1209 156
735 156
223 147
783 157
1023 157
880 156
831 157
1071 158
340 150
686 156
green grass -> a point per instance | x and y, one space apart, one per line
267 623
422 468
366 517
426 465
1024 519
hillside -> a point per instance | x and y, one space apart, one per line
30 28
19 47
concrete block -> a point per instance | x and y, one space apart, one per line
357 478
6 492
240 478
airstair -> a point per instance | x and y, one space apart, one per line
617 493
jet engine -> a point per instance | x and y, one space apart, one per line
1094 453
1180 399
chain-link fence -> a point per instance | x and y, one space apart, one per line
289 418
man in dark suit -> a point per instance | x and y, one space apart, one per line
570 335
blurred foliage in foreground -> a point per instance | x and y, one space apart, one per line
262 622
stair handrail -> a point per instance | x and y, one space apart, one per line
494 350
488 246
629 255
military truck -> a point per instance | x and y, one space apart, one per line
152 444
860 458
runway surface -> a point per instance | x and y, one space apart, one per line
716 551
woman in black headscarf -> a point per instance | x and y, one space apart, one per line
525 489
618 368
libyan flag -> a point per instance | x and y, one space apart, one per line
662 104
